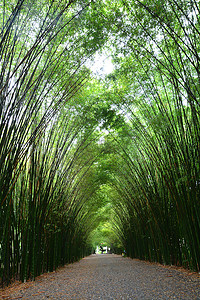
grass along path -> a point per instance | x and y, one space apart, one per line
109 277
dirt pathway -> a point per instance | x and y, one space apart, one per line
109 277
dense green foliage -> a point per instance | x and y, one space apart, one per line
160 180
87 160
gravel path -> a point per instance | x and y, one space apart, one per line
109 277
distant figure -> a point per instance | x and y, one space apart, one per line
103 250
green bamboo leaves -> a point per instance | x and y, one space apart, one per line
159 185
41 60
134 135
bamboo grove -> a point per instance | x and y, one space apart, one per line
42 224
68 140
158 181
